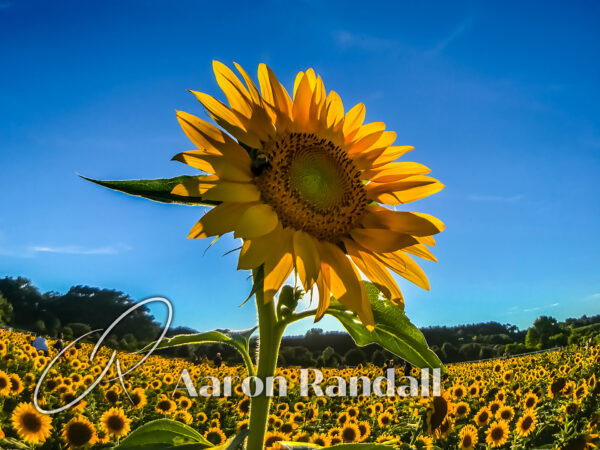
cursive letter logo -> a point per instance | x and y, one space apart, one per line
112 359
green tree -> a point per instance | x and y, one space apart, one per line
79 329
539 334
6 311
354 357
39 326
378 358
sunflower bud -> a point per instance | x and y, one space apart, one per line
288 301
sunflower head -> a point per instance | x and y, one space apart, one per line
115 423
309 188
31 426
79 433
497 434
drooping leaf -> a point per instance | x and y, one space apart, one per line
298 445
361 446
240 340
307 446
158 190
13 443
393 330
164 434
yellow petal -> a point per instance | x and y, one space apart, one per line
279 264
345 283
224 191
375 271
335 110
219 220
210 140
302 100
257 221
404 266
323 282
427 240
404 191
391 154
369 129
254 252
273 92
297 80
254 94
306 259
228 119
353 120
395 172
421 251
416 224
236 93
225 168
381 240
365 143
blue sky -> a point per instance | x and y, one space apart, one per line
500 99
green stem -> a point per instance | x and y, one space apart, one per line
249 363
299 316
269 335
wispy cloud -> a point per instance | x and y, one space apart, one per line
456 32
495 198
347 40
78 250
537 308
595 296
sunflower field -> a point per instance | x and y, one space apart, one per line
546 400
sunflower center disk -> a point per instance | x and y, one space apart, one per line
312 185
316 180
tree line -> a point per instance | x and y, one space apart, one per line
83 308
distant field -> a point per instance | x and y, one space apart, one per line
534 401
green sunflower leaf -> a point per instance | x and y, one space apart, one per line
306 446
158 190
164 434
237 339
393 330
361 446
240 340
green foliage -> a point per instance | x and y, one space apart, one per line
540 332
83 308
330 358
297 356
469 352
79 329
158 190
533 339
237 339
67 333
6 311
240 340
558 340
39 326
355 357
306 446
516 348
164 434
393 331
378 358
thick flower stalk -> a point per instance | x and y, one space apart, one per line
309 189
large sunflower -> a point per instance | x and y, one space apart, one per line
31 426
308 188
